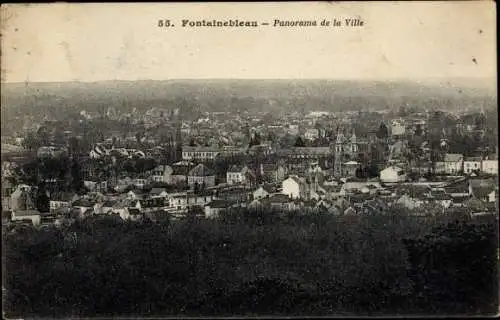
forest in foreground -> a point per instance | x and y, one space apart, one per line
253 265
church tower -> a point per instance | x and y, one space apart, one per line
176 136
339 153
353 145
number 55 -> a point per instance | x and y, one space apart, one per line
164 23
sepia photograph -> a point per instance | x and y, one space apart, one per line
278 159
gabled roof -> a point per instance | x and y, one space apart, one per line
156 191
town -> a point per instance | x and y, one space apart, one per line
157 165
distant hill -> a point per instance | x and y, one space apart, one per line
58 100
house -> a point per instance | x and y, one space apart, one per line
105 207
151 204
22 198
96 186
311 134
201 175
158 193
60 200
300 157
123 184
133 214
281 202
349 168
273 172
162 174
392 174
451 164
262 192
351 187
258 203
472 164
178 201
239 174
490 165
234 193
83 206
458 188
483 189
443 199
294 187
409 202
27 215
368 189
329 191
397 128
134 195
140 183
7 190
180 171
215 208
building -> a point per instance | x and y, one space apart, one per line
201 175
452 164
392 174
490 165
294 187
298 159
262 192
280 202
215 208
199 153
347 148
483 189
162 174
22 198
96 186
239 174
398 128
311 134
27 215
472 164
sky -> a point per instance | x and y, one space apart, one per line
93 42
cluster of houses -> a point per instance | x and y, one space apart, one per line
315 191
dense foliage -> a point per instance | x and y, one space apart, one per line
267 264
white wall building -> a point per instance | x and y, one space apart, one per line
472 164
199 153
311 134
294 187
490 166
392 174
237 174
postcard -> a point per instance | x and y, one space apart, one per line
187 160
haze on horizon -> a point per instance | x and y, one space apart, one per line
98 42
